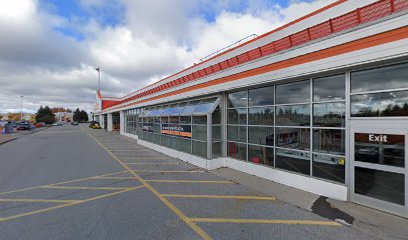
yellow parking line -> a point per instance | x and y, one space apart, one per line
170 205
152 163
116 178
88 178
76 180
36 200
219 197
189 181
266 221
170 171
67 205
86 188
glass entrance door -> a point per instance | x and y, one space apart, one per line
379 168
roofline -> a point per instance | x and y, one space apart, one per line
338 2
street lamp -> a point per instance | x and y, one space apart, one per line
21 112
99 78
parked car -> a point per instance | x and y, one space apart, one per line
57 124
24 126
74 123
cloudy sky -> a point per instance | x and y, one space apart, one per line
49 48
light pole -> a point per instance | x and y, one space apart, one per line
99 78
21 112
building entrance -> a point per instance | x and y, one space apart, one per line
379 168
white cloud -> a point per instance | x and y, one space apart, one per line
154 38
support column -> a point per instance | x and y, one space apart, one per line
101 120
110 123
122 122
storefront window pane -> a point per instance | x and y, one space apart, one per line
237 150
381 185
237 116
329 114
216 149
389 77
216 132
329 141
216 116
185 145
329 88
329 167
261 135
185 119
260 116
297 92
293 161
200 149
294 115
261 96
296 138
260 155
390 104
238 99
236 133
384 149
200 133
174 143
200 119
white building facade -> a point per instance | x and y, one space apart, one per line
320 104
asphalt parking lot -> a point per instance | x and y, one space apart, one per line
73 182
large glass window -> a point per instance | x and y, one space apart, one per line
297 92
238 99
261 96
181 126
294 161
329 88
382 78
260 116
329 114
380 92
293 115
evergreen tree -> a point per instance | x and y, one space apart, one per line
44 114
77 115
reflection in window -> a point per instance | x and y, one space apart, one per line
237 116
200 133
380 104
237 150
206 105
261 135
296 138
329 114
260 116
297 92
389 77
293 115
238 99
329 167
200 149
329 88
384 149
381 185
260 155
261 96
295 161
236 133
329 141
200 119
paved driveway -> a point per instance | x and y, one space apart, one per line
77 183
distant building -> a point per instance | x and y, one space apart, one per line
64 116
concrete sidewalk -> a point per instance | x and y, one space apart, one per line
373 222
